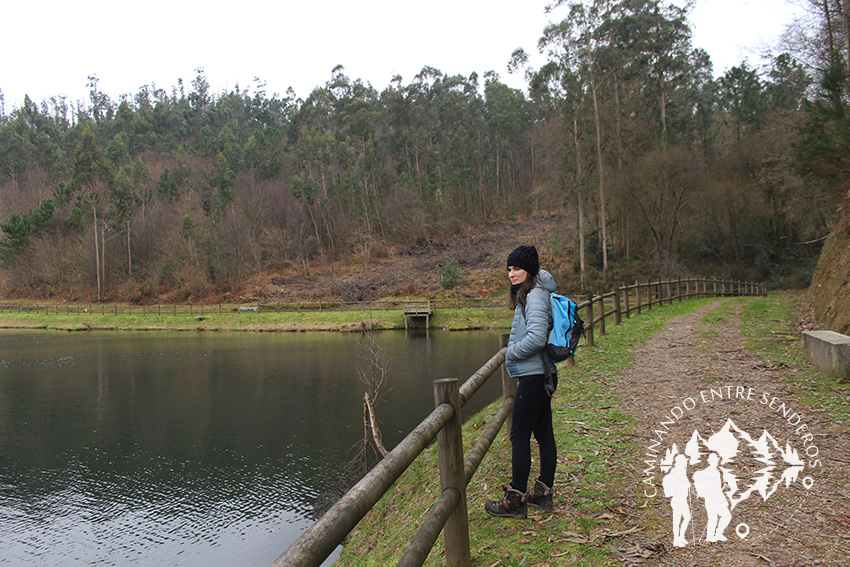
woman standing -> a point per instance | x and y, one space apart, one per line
532 412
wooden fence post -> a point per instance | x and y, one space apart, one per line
626 288
589 320
452 476
602 315
618 314
508 384
637 293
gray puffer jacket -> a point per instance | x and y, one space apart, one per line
530 330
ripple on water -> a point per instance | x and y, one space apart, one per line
87 517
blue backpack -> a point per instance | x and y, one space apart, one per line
567 328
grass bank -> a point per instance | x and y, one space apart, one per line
449 319
598 487
599 497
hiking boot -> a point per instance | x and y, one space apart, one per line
540 497
511 506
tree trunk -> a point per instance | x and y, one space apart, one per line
103 253
662 97
581 248
315 226
96 248
373 425
618 124
829 33
129 253
618 115
498 174
662 103
846 13
418 174
600 170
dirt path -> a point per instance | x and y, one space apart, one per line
695 375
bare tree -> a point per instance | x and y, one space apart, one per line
374 376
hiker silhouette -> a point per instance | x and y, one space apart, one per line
708 483
676 486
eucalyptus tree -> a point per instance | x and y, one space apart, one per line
462 117
264 148
102 107
357 184
508 119
560 93
573 45
16 147
222 182
91 177
787 83
30 137
743 98
650 48
825 143
128 192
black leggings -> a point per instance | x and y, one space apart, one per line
532 414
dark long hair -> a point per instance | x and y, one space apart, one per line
519 297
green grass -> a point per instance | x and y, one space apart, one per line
717 316
768 326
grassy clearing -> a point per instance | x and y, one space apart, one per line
769 331
598 490
450 319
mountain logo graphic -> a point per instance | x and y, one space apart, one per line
723 470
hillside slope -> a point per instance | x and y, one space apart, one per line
479 252
830 290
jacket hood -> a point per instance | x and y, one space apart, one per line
546 281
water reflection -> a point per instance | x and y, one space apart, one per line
192 448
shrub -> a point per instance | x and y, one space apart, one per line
450 274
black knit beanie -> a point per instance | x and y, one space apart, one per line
525 257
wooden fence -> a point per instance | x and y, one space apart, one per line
625 300
449 513
277 307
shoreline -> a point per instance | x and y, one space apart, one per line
287 322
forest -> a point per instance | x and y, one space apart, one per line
665 168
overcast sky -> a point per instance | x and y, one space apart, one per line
50 47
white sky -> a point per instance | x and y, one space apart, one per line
50 47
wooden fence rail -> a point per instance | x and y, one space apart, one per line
449 513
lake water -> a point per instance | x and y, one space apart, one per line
190 449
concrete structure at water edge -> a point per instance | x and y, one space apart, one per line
829 351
